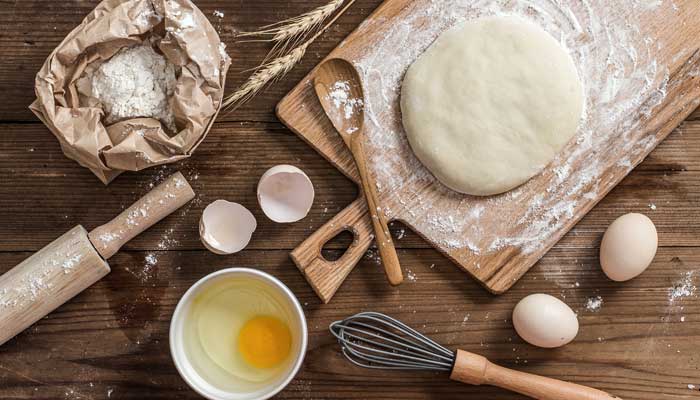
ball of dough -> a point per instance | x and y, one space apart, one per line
490 104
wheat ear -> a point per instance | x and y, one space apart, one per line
277 68
264 75
297 27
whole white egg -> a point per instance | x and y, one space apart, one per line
545 321
628 247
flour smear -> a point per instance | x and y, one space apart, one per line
616 62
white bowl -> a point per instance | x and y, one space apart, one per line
188 371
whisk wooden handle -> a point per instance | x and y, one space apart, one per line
477 370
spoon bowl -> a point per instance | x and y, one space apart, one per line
339 89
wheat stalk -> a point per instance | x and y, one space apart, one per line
294 29
274 67
265 74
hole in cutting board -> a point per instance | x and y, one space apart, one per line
335 248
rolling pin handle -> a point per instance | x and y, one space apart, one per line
160 202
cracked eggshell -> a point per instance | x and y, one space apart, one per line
226 227
285 194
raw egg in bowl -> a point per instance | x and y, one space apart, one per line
238 334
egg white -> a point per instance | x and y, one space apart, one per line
219 314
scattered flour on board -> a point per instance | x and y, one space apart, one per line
167 240
147 272
594 304
684 287
400 234
373 256
621 75
151 260
411 276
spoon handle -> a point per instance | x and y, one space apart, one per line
385 243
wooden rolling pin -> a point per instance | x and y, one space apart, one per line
76 260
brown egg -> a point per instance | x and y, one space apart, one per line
629 245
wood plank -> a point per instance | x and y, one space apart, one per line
31 29
695 115
111 341
44 194
113 337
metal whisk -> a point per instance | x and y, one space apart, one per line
375 340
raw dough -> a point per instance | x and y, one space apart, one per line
490 104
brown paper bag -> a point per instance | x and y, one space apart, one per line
184 36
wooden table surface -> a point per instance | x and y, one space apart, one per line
112 340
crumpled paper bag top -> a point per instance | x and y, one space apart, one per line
185 37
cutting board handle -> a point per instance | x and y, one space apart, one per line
324 276
160 202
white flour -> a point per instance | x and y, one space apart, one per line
343 101
617 64
345 106
685 287
593 304
136 82
38 284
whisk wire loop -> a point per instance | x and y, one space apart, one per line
416 340
395 353
405 348
401 328
374 340
374 363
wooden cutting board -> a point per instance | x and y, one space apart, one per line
640 64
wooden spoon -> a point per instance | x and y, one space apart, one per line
339 89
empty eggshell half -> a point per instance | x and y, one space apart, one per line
285 193
226 227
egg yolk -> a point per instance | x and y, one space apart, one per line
264 342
